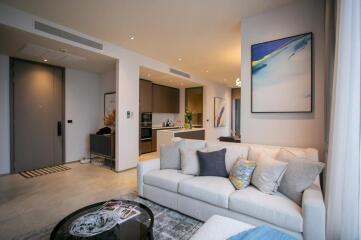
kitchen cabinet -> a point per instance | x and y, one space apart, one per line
195 134
165 99
145 96
146 146
194 103
154 140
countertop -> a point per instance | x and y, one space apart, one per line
163 128
183 130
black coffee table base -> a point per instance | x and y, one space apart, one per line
139 227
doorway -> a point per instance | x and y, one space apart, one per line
37 115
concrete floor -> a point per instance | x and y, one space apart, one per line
27 205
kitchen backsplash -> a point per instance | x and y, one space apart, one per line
159 118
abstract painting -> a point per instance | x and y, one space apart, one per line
219 112
282 75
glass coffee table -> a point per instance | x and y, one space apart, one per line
139 227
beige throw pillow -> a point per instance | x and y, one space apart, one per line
268 173
189 161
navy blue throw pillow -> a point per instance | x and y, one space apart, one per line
212 163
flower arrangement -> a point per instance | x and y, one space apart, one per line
109 120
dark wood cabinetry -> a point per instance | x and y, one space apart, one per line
199 135
154 140
145 96
194 103
146 146
165 99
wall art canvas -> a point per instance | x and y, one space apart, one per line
219 112
282 75
109 103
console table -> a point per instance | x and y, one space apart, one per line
103 146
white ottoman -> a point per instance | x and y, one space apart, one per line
220 228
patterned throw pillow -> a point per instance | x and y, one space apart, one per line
241 173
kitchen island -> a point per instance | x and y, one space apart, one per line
165 136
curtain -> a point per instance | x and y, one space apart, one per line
343 184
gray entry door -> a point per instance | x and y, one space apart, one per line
37 115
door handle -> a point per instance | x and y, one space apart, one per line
59 128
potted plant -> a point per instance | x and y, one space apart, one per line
188 119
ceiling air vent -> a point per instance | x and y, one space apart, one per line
180 73
67 35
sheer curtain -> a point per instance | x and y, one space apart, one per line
343 184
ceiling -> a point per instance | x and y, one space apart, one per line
21 44
200 37
165 79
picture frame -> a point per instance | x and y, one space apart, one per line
219 112
109 103
282 75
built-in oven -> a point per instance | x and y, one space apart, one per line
146 119
145 133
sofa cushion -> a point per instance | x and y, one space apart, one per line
213 190
170 156
256 150
189 161
167 179
241 173
276 209
212 163
268 173
233 153
299 176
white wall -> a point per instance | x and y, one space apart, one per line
127 80
4 115
107 84
82 105
210 92
284 129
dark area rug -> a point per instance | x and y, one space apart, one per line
168 224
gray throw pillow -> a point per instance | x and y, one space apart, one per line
299 176
268 173
170 155
212 163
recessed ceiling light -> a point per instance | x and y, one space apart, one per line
207 71
180 59
149 75
131 37
45 60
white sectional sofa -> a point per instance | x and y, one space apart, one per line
202 197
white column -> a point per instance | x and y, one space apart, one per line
127 114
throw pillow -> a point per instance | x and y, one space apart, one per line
299 176
170 156
189 161
233 153
268 173
212 163
241 173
